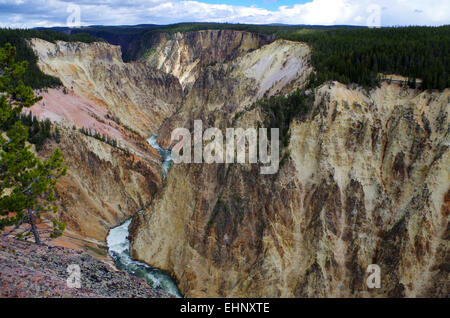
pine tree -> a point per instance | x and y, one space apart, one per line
26 183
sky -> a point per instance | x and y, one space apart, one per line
46 13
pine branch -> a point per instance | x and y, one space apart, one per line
16 226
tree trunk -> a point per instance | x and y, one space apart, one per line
33 228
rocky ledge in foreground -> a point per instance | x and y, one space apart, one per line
30 270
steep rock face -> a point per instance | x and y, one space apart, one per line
103 186
375 179
70 111
366 182
224 91
139 95
125 102
105 183
185 54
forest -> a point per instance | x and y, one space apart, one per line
38 131
280 110
359 55
347 54
18 37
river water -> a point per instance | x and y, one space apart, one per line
119 244
165 154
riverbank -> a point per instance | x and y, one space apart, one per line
119 244
119 250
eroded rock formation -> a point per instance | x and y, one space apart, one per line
140 96
366 181
125 102
364 178
103 186
184 55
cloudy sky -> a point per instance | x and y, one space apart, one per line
33 13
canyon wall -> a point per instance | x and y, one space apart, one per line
184 55
126 102
103 185
364 180
137 94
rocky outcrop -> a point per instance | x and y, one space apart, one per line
184 55
374 174
28 270
72 112
125 102
106 182
104 185
364 181
140 96
224 91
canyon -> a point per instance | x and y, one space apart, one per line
363 179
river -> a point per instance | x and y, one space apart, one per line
119 244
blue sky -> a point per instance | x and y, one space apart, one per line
266 4
45 13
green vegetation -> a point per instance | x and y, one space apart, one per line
351 54
135 41
262 29
348 55
147 54
102 137
344 53
358 56
27 184
38 131
213 63
18 38
280 110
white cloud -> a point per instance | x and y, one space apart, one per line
325 12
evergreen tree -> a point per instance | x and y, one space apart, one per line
26 183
